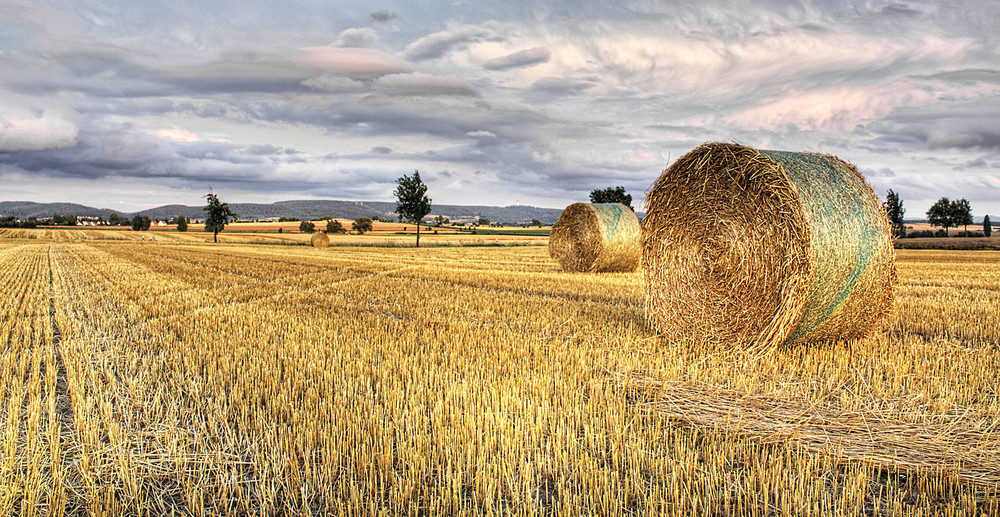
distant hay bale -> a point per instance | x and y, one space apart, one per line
600 237
761 248
320 240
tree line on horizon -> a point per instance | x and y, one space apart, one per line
944 214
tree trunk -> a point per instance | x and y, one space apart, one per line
215 236
418 235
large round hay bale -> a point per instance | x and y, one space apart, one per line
320 240
599 237
761 248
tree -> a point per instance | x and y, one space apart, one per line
307 227
536 222
64 220
987 226
182 223
362 225
218 215
441 220
483 222
140 223
940 214
894 209
412 201
117 220
334 226
326 218
612 195
961 213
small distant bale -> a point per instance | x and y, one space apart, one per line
762 248
596 237
320 240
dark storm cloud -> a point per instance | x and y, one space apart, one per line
105 150
967 126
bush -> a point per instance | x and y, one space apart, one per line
307 227
140 223
335 227
970 234
362 225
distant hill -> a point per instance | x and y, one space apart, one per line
301 209
26 209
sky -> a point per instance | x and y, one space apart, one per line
133 104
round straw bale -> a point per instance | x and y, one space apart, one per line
600 237
320 240
759 248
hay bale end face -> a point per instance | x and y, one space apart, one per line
761 248
320 240
599 237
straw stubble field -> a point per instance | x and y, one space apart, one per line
145 378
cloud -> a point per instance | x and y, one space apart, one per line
522 58
953 126
835 109
20 133
438 44
422 84
357 37
560 86
382 16
883 172
177 134
381 150
480 134
356 62
335 83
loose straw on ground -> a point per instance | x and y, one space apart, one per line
761 248
970 451
599 237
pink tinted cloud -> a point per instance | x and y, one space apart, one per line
351 61
830 109
177 134
32 134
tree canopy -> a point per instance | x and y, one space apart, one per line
612 195
141 223
334 226
219 215
412 202
894 210
362 225
945 213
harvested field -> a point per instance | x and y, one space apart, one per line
154 377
